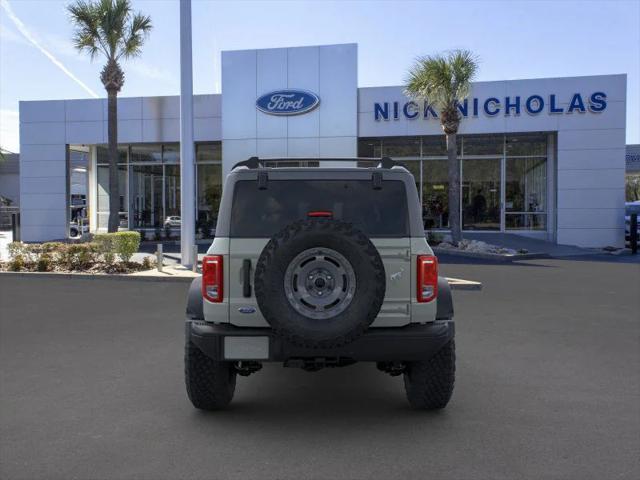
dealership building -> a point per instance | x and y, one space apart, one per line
543 158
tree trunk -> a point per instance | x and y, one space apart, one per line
454 188
114 190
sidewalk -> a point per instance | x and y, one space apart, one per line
532 245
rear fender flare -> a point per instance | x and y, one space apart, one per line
194 300
445 300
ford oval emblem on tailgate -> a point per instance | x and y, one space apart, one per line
247 310
287 102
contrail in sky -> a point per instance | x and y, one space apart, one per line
27 34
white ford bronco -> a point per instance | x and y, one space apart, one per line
319 267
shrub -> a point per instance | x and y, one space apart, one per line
16 263
126 244
16 249
147 263
106 246
44 263
78 256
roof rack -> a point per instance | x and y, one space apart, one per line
254 163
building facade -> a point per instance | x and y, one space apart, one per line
541 157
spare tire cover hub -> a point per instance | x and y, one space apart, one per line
319 283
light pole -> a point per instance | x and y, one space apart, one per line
187 148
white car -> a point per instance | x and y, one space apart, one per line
173 221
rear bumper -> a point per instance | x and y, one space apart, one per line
409 343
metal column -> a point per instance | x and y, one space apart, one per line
187 148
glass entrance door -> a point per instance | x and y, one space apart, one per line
481 194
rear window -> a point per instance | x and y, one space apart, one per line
261 213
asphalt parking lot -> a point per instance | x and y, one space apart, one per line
548 386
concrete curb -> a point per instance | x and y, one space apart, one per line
100 276
489 256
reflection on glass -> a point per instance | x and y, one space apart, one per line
102 152
171 153
209 192
399 147
526 144
148 152
208 152
172 190
414 167
146 196
481 194
435 194
483 144
525 192
103 196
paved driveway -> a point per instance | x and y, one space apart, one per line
548 386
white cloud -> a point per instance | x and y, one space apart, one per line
22 28
9 130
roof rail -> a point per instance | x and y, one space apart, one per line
254 163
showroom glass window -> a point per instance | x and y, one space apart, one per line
208 187
102 182
503 178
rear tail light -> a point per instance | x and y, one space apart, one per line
320 214
212 279
427 278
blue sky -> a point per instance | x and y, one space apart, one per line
513 40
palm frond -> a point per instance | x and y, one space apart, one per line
443 80
139 28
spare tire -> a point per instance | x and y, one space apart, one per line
319 283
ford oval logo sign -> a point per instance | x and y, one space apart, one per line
287 102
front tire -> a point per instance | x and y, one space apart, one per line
210 384
429 384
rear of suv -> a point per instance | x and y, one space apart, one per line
319 267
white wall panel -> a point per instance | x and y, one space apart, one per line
46 133
591 237
592 198
207 105
272 147
86 110
85 132
42 233
49 153
303 147
42 111
591 159
160 107
338 147
304 73
591 218
238 102
339 88
38 185
589 179
166 130
591 139
207 129
42 168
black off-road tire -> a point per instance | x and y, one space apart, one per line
210 384
362 310
429 384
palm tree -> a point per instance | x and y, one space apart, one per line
112 29
444 81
